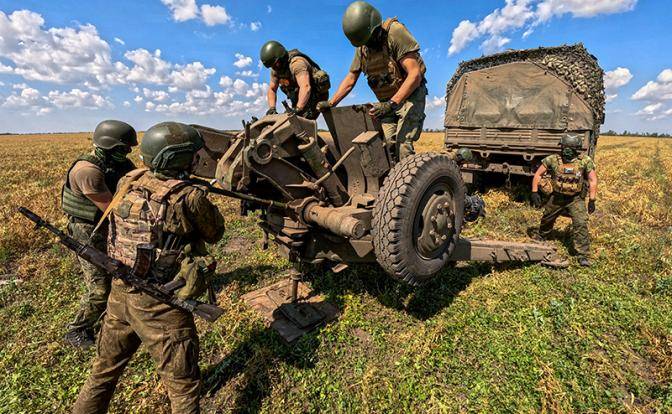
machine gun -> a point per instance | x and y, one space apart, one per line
118 270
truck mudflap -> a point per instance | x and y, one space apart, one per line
496 251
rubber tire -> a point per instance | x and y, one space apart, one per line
395 209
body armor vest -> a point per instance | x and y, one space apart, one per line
384 74
319 80
79 206
140 218
568 178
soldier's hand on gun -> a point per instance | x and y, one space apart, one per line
323 106
272 111
536 200
380 109
591 206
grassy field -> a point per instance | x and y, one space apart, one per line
479 338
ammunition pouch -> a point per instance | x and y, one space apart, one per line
79 207
321 81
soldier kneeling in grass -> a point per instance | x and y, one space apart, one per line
568 172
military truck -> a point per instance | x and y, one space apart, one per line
511 108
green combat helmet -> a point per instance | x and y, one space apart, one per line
360 21
271 52
170 147
110 134
570 140
464 155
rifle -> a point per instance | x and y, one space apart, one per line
123 272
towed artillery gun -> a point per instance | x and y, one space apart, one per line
511 109
342 198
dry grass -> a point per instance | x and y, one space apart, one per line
478 338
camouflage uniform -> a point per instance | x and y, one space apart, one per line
571 204
133 317
385 75
319 82
82 217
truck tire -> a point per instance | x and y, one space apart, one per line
417 217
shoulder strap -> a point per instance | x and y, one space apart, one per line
388 23
121 192
297 53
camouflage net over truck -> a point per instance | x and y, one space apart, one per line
511 108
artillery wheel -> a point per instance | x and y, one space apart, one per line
417 217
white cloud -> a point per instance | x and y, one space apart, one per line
656 91
28 97
240 86
138 99
269 9
463 34
248 74
59 55
435 102
494 44
126 104
213 15
527 14
242 61
120 41
149 106
614 80
617 78
182 10
152 69
255 26
225 81
77 98
157 96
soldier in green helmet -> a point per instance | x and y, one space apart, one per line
569 173
298 76
89 185
161 207
390 57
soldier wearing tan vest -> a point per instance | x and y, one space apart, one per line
569 173
89 185
298 77
388 54
162 208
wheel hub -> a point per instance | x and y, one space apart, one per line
437 225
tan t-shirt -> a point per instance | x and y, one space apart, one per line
400 43
87 179
296 66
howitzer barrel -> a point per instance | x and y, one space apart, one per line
338 222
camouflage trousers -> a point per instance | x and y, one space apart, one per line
404 126
97 283
170 336
575 208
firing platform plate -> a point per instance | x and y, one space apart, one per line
291 321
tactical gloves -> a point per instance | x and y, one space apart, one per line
380 109
272 111
196 272
323 106
536 200
591 206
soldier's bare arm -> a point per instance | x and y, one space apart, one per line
537 177
303 80
412 67
345 87
272 94
592 185
101 200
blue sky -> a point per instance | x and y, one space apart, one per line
65 65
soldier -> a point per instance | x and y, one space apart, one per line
162 208
390 57
568 172
298 76
89 185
